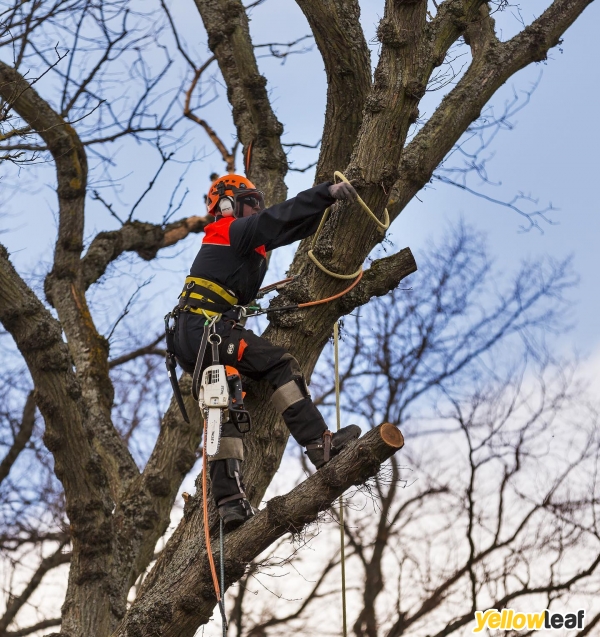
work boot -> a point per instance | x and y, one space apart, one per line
321 450
234 511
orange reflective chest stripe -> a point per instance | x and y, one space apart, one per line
217 234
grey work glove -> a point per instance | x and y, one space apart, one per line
343 191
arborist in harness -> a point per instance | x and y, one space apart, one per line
226 276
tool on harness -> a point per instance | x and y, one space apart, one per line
214 397
171 364
200 358
211 561
221 399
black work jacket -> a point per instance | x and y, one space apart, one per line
233 252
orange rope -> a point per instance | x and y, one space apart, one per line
211 560
273 285
336 296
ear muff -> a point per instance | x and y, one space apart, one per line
226 206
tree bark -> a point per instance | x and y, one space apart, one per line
176 603
341 41
258 129
77 465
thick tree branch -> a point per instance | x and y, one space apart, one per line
181 600
146 239
22 437
63 285
258 129
342 44
411 49
58 395
383 276
493 63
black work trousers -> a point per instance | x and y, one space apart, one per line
257 359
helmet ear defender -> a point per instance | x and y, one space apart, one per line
226 206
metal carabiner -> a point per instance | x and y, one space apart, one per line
241 312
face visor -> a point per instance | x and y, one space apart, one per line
248 202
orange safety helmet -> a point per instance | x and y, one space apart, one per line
236 188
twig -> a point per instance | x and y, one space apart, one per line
97 197
136 353
165 159
294 144
128 305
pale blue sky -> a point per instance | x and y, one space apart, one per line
551 153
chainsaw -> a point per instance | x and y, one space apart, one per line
222 400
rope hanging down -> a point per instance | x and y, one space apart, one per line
336 337
211 560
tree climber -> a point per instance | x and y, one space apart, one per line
227 273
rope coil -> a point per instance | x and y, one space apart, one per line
381 225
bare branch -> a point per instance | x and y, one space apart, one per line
47 623
144 238
21 439
141 351
47 564
256 124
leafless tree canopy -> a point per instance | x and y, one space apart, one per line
102 502
491 505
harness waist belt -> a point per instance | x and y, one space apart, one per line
202 296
